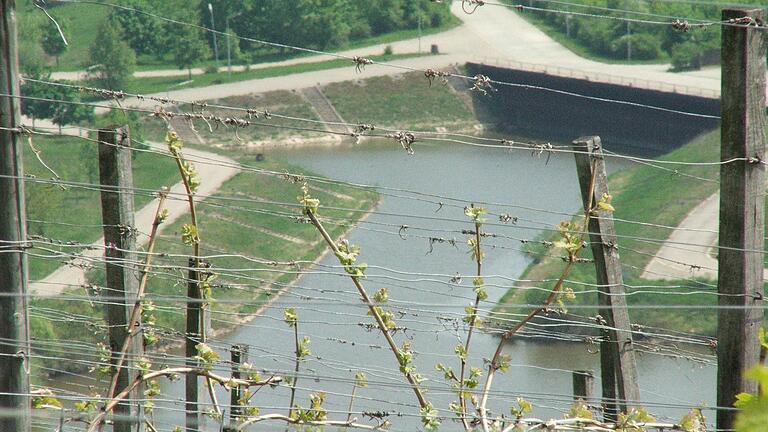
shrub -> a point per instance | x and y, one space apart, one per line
388 51
644 46
686 56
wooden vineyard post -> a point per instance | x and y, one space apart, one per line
116 178
618 369
193 337
238 355
14 378
742 195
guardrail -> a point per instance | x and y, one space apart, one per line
567 72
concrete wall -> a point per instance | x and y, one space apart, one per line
550 116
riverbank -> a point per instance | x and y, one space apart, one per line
660 196
254 245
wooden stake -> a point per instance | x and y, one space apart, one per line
193 337
116 178
14 378
238 355
742 190
618 369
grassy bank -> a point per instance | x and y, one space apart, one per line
253 220
406 102
641 193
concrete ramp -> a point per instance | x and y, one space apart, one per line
325 110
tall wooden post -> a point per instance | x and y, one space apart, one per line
742 189
193 337
14 380
617 357
116 177
238 355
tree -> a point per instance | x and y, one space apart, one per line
111 61
36 109
383 16
189 48
70 113
53 44
144 34
324 23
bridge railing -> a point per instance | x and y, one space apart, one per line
566 72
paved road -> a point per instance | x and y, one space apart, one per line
213 175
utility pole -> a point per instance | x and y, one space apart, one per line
629 42
618 369
742 190
419 33
215 42
116 178
14 325
229 49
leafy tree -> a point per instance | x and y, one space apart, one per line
323 23
111 60
144 34
70 113
383 16
37 109
53 44
147 34
189 48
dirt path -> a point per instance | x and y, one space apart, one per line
698 228
213 175
679 258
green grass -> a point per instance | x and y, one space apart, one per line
640 193
82 21
406 102
162 84
74 214
237 227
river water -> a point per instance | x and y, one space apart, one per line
330 313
